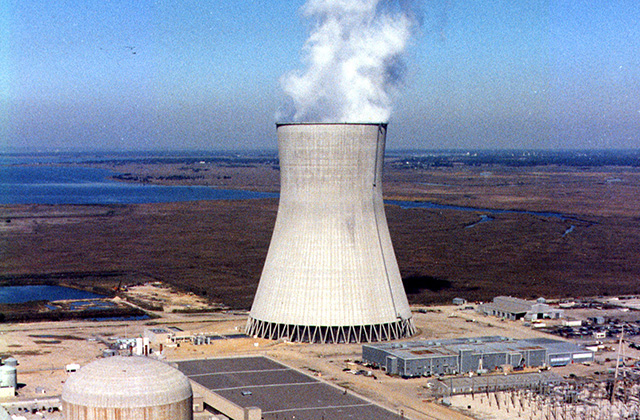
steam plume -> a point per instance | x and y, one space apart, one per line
353 61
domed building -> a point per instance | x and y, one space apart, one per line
132 388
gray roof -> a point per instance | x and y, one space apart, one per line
511 304
420 349
555 346
120 381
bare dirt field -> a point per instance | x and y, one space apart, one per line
167 299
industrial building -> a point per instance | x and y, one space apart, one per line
463 355
514 308
331 274
459 301
159 335
173 335
127 388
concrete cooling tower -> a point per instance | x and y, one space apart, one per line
132 388
331 274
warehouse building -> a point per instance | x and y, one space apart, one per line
562 353
514 308
462 355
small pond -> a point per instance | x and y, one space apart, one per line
22 294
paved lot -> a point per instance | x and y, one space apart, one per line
281 392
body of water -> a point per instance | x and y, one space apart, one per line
43 184
52 183
483 219
22 294
429 205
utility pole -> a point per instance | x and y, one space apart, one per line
615 375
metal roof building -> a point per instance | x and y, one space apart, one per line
331 274
561 353
515 308
133 388
442 357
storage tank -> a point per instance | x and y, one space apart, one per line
331 273
10 361
132 388
8 376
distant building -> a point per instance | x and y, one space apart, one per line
514 308
462 355
599 334
167 335
109 352
72 367
158 335
459 301
572 323
125 343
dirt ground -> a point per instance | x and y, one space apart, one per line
43 350
169 299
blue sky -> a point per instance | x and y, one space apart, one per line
205 75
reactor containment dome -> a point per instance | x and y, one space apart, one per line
132 388
331 275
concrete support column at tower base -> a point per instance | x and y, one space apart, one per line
331 334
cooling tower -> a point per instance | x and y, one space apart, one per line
331 274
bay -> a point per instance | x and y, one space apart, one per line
44 184
22 294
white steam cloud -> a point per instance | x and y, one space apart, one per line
353 61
